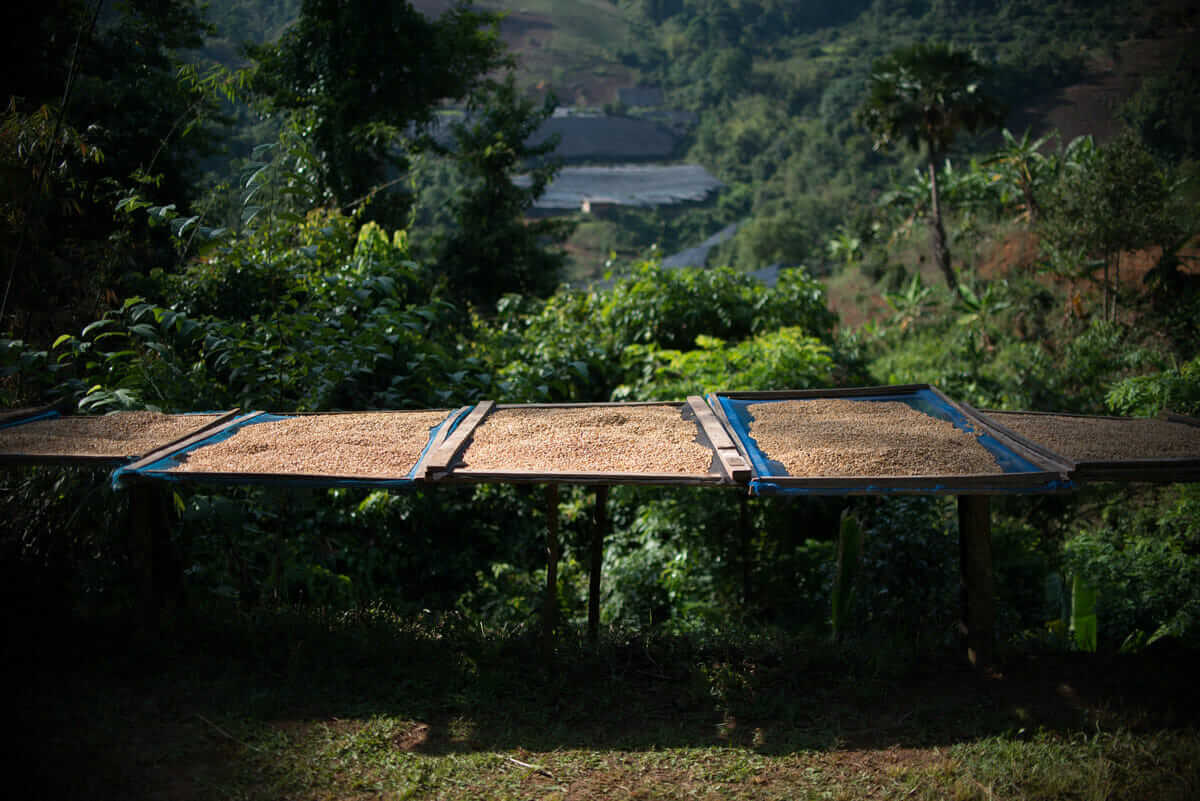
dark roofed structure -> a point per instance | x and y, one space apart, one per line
641 96
608 138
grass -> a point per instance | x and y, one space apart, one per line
324 706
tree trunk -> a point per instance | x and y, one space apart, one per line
941 252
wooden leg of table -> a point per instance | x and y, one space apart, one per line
745 534
599 530
553 551
977 587
141 532
149 513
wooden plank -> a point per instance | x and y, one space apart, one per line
537 476
731 459
717 435
1162 470
420 468
1022 446
14 415
19 459
1154 472
207 428
847 392
1029 444
216 427
441 459
1172 417
719 412
967 481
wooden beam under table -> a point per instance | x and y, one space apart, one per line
976 583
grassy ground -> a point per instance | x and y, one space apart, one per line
284 706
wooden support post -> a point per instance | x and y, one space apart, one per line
745 533
158 579
553 551
977 588
141 538
599 530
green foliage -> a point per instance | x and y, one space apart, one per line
787 358
1164 112
664 566
1083 614
336 320
909 569
1175 389
351 65
1023 169
65 146
671 307
924 94
493 249
1115 202
578 346
263 297
1142 562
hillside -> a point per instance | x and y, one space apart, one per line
564 46
773 87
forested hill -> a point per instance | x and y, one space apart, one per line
775 82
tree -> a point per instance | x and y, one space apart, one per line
493 249
924 94
86 79
370 74
1119 200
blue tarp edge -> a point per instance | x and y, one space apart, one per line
923 400
158 470
42 416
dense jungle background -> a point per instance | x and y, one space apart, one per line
310 206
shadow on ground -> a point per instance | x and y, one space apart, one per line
105 712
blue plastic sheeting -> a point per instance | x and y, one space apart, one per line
160 469
739 414
24 420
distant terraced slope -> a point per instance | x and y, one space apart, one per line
564 46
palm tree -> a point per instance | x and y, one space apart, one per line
924 94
